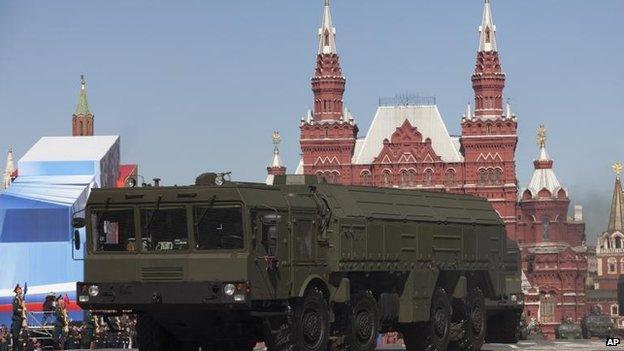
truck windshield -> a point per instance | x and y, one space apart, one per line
113 230
218 228
164 229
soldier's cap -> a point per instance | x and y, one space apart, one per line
17 287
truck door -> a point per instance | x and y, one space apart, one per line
272 253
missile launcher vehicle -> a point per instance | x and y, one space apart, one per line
301 265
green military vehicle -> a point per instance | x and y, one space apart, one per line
568 330
301 265
598 324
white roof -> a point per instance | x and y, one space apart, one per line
388 118
70 148
544 178
299 169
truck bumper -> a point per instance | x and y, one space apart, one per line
137 296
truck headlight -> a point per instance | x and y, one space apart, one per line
94 290
229 289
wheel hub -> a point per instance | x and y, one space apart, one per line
363 323
440 322
312 327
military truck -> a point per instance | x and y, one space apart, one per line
301 265
598 324
568 330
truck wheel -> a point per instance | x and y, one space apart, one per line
310 327
470 313
435 334
363 323
151 336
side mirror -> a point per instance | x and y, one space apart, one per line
78 222
77 239
271 219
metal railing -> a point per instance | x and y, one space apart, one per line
407 99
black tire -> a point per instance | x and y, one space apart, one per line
470 315
310 323
151 336
363 323
435 334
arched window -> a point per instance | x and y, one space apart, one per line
366 178
622 265
491 179
482 177
319 176
404 178
81 130
450 178
614 310
488 39
386 178
618 242
547 308
411 178
336 176
611 263
498 177
428 178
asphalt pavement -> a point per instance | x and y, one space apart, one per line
559 345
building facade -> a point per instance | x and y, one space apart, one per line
610 256
408 146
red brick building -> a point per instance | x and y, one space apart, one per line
554 255
610 256
408 146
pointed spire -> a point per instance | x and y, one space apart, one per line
616 219
468 113
9 170
327 33
487 30
82 109
276 167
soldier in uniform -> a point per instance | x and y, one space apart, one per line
4 339
18 320
61 325
91 327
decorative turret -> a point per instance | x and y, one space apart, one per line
82 119
328 83
488 80
544 183
9 172
276 167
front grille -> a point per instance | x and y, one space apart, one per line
162 274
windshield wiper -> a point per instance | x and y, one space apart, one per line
148 226
205 212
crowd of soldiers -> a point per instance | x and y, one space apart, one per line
65 335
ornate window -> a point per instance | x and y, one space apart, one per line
411 178
428 178
618 242
366 178
319 176
482 177
611 263
547 308
404 176
450 178
614 310
386 178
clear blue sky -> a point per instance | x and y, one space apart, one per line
200 85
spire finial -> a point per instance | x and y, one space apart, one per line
327 32
82 82
487 30
541 136
617 169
